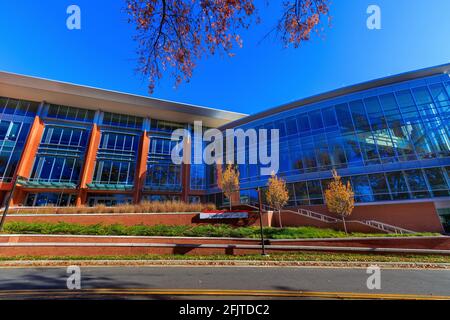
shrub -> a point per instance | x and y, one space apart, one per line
144 207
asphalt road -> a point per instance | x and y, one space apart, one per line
226 282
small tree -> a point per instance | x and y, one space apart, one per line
340 198
277 194
229 182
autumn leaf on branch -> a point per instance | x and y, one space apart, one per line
174 34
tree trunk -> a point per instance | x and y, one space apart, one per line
279 218
345 226
230 205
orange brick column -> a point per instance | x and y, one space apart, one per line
141 167
28 155
89 164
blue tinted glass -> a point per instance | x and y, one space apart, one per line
329 117
362 188
416 180
344 117
436 179
397 182
314 189
291 126
315 119
303 122
373 105
280 126
405 98
422 95
439 93
11 106
359 115
3 102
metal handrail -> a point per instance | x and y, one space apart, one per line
387 227
328 219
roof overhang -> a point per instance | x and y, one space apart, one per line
442 69
38 89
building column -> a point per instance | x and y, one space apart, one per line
87 172
2 198
141 167
29 154
186 169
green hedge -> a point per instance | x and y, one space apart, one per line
182 231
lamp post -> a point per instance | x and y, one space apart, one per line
5 212
263 247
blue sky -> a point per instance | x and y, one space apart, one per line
414 35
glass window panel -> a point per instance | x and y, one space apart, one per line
65 138
56 136
114 177
303 122
111 141
124 172
438 92
301 191
397 181
72 113
291 126
13 132
120 142
46 169
314 189
420 140
3 102
106 171
57 169
76 135
32 109
344 118
359 115
362 189
416 180
315 118
22 108
329 117
4 126
11 106
352 149
373 105
378 183
280 126
67 171
405 98
422 95
436 178
62 112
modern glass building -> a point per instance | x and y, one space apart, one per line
78 146
390 138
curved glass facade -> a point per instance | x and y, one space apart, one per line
390 142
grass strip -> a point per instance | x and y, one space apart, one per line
63 228
288 257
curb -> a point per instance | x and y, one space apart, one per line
226 246
443 237
221 263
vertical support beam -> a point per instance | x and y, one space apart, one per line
30 149
141 167
89 164
186 169
29 154
2 198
